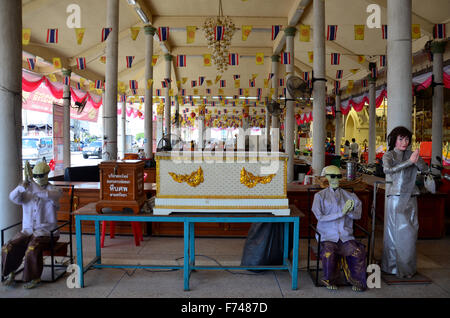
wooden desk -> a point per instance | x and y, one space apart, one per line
88 213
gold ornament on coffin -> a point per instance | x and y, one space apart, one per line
193 179
250 180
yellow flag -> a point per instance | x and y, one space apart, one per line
218 77
254 76
415 31
272 91
190 33
237 83
354 70
208 82
305 33
149 83
91 86
350 84
79 34
57 62
184 80
246 92
178 84
206 59
195 91
134 31
26 36
121 87
170 92
266 83
311 56
259 58
82 80
361 59
52 77
246 29
359 31
221 91
103 59
154 59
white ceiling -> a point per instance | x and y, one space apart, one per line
39 15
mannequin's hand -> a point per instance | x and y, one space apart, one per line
414 156
348 206
28 174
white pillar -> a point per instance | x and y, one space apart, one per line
274 141
167 106
319 88
201 132
372 122
268 120
399 56
66 121
148 103
437 48
338 125
11 101
290 106
110 130
123 128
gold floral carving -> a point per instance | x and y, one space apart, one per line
193 179
250 180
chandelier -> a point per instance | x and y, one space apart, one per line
218 34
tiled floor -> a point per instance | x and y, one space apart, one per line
433 262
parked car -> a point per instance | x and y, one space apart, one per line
93 149
37 148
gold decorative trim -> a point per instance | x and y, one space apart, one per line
194 158
221 207
221 197
250 180
157 177
193 179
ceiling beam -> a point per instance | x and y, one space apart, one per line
200 50
48 54
183 21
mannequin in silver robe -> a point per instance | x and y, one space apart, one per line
401 215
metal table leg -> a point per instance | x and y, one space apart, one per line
79 236
187 269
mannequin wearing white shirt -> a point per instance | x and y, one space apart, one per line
39 201
335 210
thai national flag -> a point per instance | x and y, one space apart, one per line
66 80
208 91
373 72
235 77
105 33
332 32
241 91
223 83
158 92
335 58
259 91
339 73
201 79
78 86
219 31
337 85
384 33
306 76
181 60
183 92
271 75
31 63
81 63
133 84
275 31
129 61
163 33
98 84
382 60
52 35
233 59
164 84
193 83
439 31
286 58
281 81
364 83
251 83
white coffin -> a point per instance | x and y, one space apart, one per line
233 182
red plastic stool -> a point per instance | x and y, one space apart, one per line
137 232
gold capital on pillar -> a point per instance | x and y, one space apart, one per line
168 57
275 58
149 30
290 31
438 46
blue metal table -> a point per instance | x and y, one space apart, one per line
88 213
